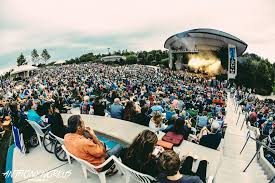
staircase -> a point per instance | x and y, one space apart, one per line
233 163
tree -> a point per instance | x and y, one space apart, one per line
158 58
45 55
131 59
21 60
149 60
35 56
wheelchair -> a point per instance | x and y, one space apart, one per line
53 144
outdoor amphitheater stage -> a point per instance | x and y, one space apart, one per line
225 164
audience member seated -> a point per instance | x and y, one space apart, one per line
116 109
170 113
83 143
32 114
99 107
142 118
211 138
129 111
55 120
157 107
156 122
139 156
85 106
173 172
202 120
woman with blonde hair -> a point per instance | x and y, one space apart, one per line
156 122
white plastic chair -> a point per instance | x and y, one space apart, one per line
130 173
88 166
60 140
38 130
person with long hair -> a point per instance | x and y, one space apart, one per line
156 122
129 111
54 118
139 156
99 107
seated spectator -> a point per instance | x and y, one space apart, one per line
57 125
116 109
267 126
171 171
211 139
139 155
99 107
252 117
183 127
180 126
142 118
129 111
32 114
202 120
170 113
156 122
83 143
157 107
85 106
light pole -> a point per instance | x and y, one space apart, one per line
108 51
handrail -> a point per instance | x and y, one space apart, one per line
258 150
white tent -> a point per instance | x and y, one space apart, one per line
23 70
60 62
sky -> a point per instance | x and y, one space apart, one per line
70 28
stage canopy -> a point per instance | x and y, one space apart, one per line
204 40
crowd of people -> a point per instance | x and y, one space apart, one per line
164 100
260 114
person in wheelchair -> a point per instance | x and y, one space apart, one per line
55 120
32 114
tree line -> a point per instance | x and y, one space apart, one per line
36 58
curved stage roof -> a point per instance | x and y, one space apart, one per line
204 40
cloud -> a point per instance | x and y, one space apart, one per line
70 28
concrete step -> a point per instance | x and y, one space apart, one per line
233 163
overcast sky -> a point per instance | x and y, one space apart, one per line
69 28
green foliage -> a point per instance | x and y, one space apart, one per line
255 72
35 56
45 55
21 60
131 59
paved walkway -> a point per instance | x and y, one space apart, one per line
233 163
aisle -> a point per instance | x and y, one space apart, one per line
233 164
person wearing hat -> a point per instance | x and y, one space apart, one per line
213 138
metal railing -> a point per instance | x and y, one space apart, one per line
259 145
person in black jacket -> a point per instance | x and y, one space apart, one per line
99 107
54 118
